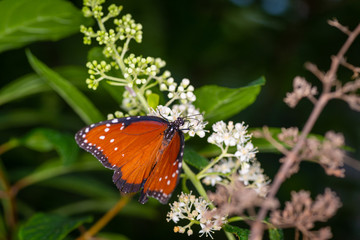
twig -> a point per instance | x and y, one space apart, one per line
335 23
105 219
292 156
270 139
314 70
355 164
9 203
351 67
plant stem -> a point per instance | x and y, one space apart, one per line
195 181
212 163
105 219
292 156
8 203
12 143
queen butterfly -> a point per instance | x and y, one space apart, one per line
145 153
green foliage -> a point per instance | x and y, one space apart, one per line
153 100
23 22
81 105
240 233
276 234
50 227
42 139
221 103
32 84
194 159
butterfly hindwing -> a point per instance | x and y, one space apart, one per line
129 146
165 175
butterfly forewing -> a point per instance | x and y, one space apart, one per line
127 145
165 175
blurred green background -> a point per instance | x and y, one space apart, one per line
222 42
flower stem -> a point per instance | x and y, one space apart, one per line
201 174
105 219
196 182
8 203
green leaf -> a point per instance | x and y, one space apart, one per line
33 84
86 186
194 159
26 21
153 100
77 100
51 169
22 87
240 233
96 53
50 227
43 140
276 234
133 208
221 103
23 117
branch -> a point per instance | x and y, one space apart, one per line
293 156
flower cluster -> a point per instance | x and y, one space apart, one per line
242 162
140 69
184 92
302 89
139 75
193 121
96 69
302 212
196 210
127 28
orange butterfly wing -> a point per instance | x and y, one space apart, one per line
165 175
127 145
136 149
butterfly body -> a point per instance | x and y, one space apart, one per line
145 153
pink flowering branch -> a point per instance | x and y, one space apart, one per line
292 158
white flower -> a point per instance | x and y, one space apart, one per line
245 153
211 179
228 135
252 176
191 208
224 166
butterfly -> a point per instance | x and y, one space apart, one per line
145 153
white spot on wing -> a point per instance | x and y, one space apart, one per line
102 137
115 120
115 149
168 182
160 179
122 127
108 124
173 175
87 130
112 140
166 177
128 118
106 129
